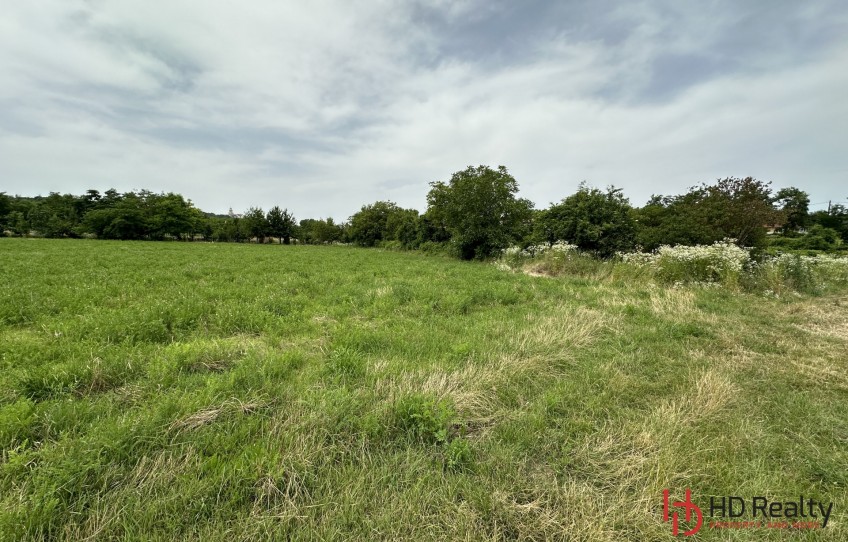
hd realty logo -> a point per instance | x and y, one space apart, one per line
744 513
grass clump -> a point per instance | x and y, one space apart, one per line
424 418
427 420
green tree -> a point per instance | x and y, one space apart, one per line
5 209
733 208
320 231
596 221
480 211
795 205
370 225
169 215
281 224
402 226
17 223
836 218
255 224
819 238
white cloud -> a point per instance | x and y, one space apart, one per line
327 106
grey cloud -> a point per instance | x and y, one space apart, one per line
325 107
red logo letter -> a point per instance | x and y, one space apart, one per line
689 506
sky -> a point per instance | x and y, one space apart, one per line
325 106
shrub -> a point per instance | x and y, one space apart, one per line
595 221
722 262
795 272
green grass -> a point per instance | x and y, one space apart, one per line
163 391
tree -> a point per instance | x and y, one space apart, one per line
596 221
795 204
5 209
369 225
281 224
320 231
741 209
733 208
168 215
479 210
402 226
819 238
255 224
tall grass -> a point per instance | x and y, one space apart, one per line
230 392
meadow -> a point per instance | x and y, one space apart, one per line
201 391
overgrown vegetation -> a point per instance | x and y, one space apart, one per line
475 215
722 264
198 391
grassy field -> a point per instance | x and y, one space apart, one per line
190 391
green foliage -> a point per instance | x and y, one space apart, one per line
371 224
281 223
794 203
402 226
732 208
479 210
816 238
458 455
141 215
255 224
594 221
319 232
424 418
5 209
836 218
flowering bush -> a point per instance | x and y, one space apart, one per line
729 265
516 256
549 259
722 262
793 272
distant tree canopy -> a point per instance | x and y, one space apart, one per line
475 215
281 224
479 209
319 232
835 218
141 215
380 221
734 208
795 206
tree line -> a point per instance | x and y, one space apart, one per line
474 215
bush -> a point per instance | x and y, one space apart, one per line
726 264
722 262
595 221
783 273
433 247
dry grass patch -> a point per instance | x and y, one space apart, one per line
531 357
673 302
209 415
824 317
554 333
622 469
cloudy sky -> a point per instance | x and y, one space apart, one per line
323 106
